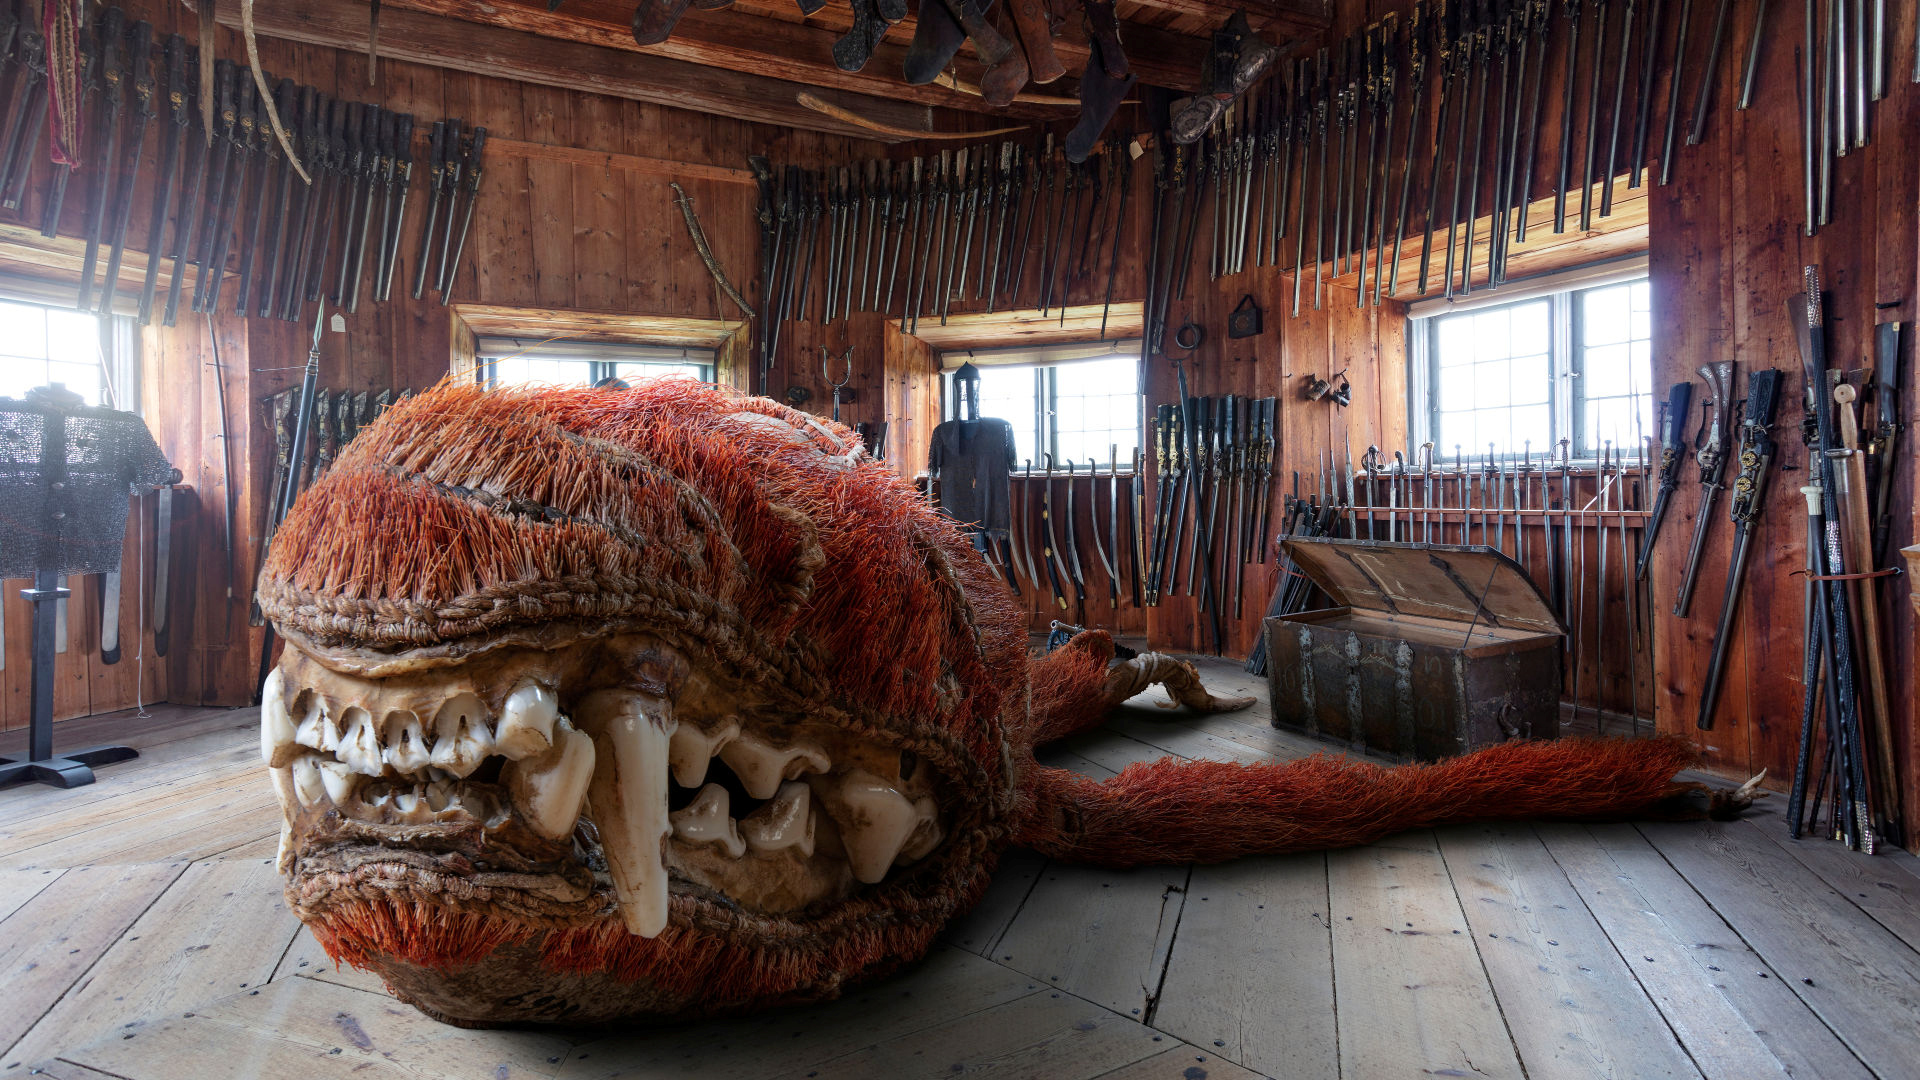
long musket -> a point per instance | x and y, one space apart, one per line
1619 103
1444 67
1003 196
377 184
213 274
1679 407
280 226
1419 32
140 43
1704 99
1136 545
1568 88
459 154
437 155
87 62
1673 92
1482 40
403 187
266 150
1643 106
185 223
1163 486
1124 165
111 50
1711 456
1593 113
177 112
1744 506
220 176
476 149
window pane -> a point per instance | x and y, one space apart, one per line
23 330
1492 384
1604 315
1096 409
1490 335
1532 380
1532 429
647 369
1532 328
1455 340
1607 372
41 345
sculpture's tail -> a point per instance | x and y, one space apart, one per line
1172 811
1077 685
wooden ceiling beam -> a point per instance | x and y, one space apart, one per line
526 57
733 40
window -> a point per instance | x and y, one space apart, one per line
1523 375
1074 411
512 362
41 345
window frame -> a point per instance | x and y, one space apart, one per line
1046 398
486 370
1566 395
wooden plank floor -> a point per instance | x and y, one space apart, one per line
143 936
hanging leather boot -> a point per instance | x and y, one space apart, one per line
654 20
936 37
1100 94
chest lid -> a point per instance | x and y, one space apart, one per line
1467 585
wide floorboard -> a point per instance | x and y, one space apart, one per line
143 937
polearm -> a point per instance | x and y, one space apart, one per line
1679 407
1711 456
1744 506
140 42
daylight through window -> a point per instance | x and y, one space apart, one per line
41 345
1079 411
1518 378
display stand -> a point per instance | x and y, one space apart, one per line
67 770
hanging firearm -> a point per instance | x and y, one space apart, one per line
401 169
243 140
187 220
219 176
1419 35
437 155
1704 100
280 227
1482 48
1377 212
361 157
1678 408
1619 102
1540 22
459 157
1593 114
1749 496
265 150
140 43
29 92
476 149
111 50
1124 165
378 134
1673 92
176 56
1572 10
1711 455
1509 37
316 210
1448 63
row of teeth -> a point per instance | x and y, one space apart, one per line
617 762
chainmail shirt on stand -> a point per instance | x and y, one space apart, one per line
79 526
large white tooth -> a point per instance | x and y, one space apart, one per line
411 807
360 743
785 822
875 820
628 799
307 785
707 820
277 735
761 766
692 748
526 721
461 739
926 831
316 728
338 779
282 778
547 790
406 743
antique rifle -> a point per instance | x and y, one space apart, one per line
1003 196
312 207
476 151
1375 104
280 228
1540 19
1136 493
111 51
1673 91
266 152
140 44
1886 431
872 201
403 187
87 62
1744 506
1481 49
1643 105
1124 165
1444 23
980 182
378 128
1751 70
361 161
437 155
459 155
1321 108
1389 74
177 112
186 221
1679 407
25 48
219 176
1596 70
1704 99
1711 455
910 221
1419 34
1619 104
1572 10
215 273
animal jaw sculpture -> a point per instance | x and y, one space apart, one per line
669 702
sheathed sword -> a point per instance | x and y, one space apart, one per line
1051 552
1093 523
1074 570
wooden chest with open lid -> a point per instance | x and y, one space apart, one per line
1430 651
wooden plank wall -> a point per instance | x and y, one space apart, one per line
582 220
1728 248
